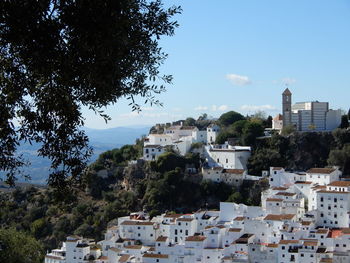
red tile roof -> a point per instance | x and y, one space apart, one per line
320 170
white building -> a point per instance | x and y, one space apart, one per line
227 156
212 132
151 152
229 176
333 205
277 122
309 116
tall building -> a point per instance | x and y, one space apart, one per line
287 107
309 116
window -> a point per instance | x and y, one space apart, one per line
321 199
226 160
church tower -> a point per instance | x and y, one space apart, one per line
287 107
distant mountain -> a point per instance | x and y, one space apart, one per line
116 136
100 140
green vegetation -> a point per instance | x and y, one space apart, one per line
301 151
19 247
244 131
230 118
156 187
87 54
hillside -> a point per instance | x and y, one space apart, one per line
113 186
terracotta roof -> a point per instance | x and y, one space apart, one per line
196 238
161 239
340 183
136 223
278 188
277 168
278 117
319 187
239 218
289 241
333 233
279 217
133 247
124 258
310 243
346 231
272 245
155 256
326 260
320 170
235 229
306 223
322 231
188 127
243 239
173 215
286 194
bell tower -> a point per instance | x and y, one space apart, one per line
287 107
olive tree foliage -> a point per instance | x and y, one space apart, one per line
59 56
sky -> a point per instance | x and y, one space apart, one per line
240 55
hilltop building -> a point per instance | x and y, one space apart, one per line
307 116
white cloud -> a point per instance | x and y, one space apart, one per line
201 108
223 108
219 108
288 81
238 79
258 107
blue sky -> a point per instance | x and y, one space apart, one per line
239 54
